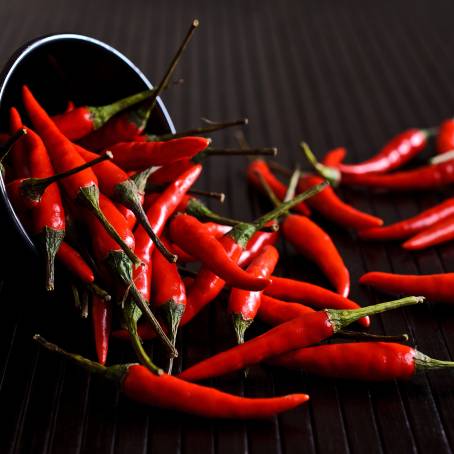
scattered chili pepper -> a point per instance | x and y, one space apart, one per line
445 136
413 225
439 233
166 391
6 147
80 121
294 334
74 262
244 304
334 157
81 187
101 313
275 312
368 361
257 242
435 287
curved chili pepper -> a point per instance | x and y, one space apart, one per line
141 155
101 313
257 242
290 289
74 262
170 392
115 183
187 232
80 121
368 361
413 225
279 188
441 232
445 136
81 187
334 157
19 159
294 334
244 304
435 287
275 312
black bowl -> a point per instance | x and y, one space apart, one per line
59 68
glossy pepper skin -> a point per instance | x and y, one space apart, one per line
244 304
74 262
331 207
441 232
169 172
257 242
274 312
101 313
21 149
435 287
279 188
413 225
399 150
294 334
190 234
445 136
141 155
290 289
316 245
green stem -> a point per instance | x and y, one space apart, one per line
269 191
89 196
291 190
220 196
141 178
240 325
50 240
330 173
342 318
424 362
360 335
98 291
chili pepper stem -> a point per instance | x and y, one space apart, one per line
89 196
126 193
97 290
290 194
424 362
220 196
240 325
234 152
115 373
141 178
341 318
119 264
8 145
444 157
360 335
131 323
51 240
330 173
269 192
34 188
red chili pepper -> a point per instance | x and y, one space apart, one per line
294 334
279 188
244 304
435 287
334 157
445 136
169 172
74 262
141 155
369 361
101 313
290 289
187 232
413 225
257 242
80 121
19 159
169 392
275 312
81 187
441 232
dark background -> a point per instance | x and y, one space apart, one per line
331 72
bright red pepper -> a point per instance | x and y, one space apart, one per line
439 233
294 334
169 392
169 172
413 225
445 136
19 158
435 287
74 262
274 312
244 304
334 157
257 242
101 313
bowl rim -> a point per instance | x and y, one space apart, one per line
18 56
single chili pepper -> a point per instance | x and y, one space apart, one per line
425 177
334 157
115 183
290 289
243 304
101 313
259 167
128 125
7 146
169 294
190 234
74 262
439 233
169 173
141 155
368 361
166 391
445 136
413 225
19 159
435 287
294 334
81 187
80 121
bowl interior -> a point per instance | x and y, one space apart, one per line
60 68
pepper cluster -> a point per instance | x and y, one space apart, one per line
94 172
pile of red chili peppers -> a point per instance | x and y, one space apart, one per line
116 207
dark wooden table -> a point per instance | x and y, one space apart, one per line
331 72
